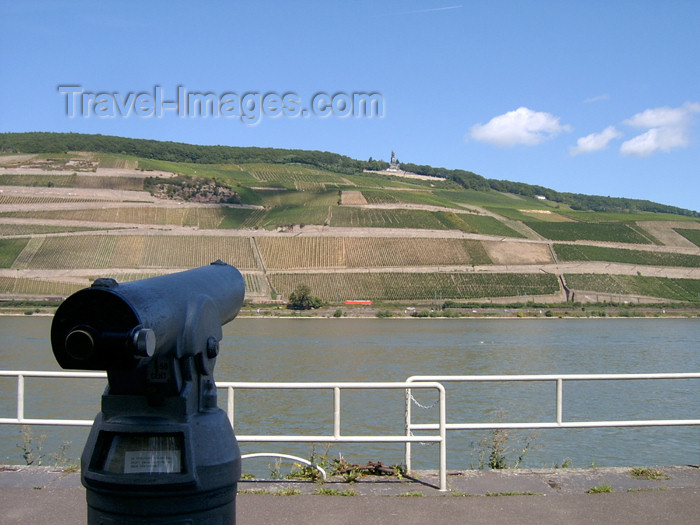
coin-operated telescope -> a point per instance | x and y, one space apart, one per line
160 451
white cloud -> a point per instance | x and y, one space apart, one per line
665 116
595 141
604 96
522 126
669 128
431 10
656 139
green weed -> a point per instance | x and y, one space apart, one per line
288 492
495 449
514 493
648 474
31 446
335 492
599 489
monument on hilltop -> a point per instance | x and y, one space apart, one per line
394 164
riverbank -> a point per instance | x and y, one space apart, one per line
494 311
410 311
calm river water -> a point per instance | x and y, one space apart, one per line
392 350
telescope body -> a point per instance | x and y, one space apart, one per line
160 450
116 326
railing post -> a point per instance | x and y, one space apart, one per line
560 382
336 412
443 441
20 398
407 445
229 390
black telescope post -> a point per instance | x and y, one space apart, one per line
161 450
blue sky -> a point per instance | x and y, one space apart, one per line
597 97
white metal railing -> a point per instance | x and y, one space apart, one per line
230 387
414 382
22 374
337 436
559 379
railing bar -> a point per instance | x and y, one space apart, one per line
554 377
52 422
46 373
341 439
412 379
327 385
566 424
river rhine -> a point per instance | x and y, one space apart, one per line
392 350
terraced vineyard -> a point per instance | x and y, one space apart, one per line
470 223
10 249
290 199
239 218
203 218
27 199
284 174
527 215
35 229
393 238
410 286
290 215
41 287
608 286
285 253
256 285
74 181
571 252
346 217
572 231
407 252
140 251
692 235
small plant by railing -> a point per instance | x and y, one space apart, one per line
648 474
600 489
32 446
313 469
498 447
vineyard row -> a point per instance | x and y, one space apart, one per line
255 283
407 286
416 286
283 209
202 218
277 253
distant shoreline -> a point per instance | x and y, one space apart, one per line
692 314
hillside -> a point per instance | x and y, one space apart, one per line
346 228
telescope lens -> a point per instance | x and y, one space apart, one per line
79 344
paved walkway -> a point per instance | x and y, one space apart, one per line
37 495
